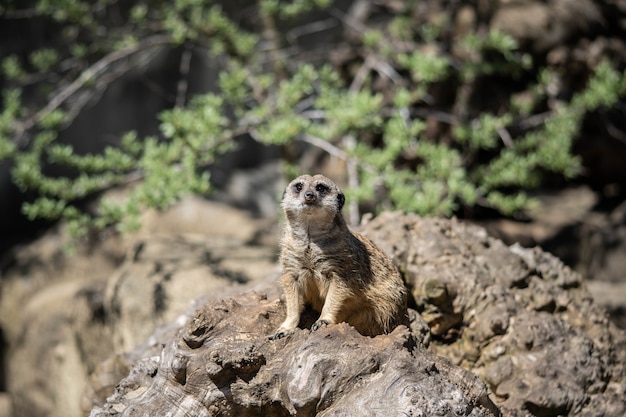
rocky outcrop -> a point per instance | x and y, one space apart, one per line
223 363
517 318
70 322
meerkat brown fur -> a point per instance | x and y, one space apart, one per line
342 275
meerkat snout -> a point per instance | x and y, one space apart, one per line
309 197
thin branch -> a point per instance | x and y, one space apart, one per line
336 152
84 96
361 75
535 120
90 73
440 116
310 28
313 114
272 36
614 132
304 104
183 82
353 180
505 136
21 14
326 146
373 62
33 12
355 16
385 69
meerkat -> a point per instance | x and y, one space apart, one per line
341 274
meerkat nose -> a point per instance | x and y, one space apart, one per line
309 196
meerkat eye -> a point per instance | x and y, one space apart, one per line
321 188
298 187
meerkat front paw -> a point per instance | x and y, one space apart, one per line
281 333
319 324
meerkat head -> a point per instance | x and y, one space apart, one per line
312 199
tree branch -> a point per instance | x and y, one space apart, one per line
90 73
353 180
183 82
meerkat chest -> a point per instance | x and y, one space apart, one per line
310 260
315 261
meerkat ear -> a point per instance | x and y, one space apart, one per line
341 199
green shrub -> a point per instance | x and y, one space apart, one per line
487 156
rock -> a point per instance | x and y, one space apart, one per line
164 280
164 275
195 215
545 25
5 405
520 319
47 366
569 225
223 363
516 318
68 322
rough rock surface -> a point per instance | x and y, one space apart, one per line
517 318
165 275
223 363
567 224
67 323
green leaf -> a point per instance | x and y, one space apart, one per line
43 59
425 66
53 120
605 87
12 68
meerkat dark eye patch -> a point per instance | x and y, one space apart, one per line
298 187
321 188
